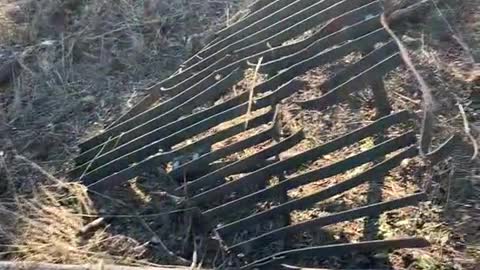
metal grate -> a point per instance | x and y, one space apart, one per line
143 138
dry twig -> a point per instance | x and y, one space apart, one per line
468 131
428 102
254 83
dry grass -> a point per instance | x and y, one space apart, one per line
81 70
47 229
83 62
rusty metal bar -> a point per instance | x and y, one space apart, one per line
242 164
261 9
278 33
376 171
110 165
312 154
320 59
337 30
259 176
182 99
365 63
293 12
358 82
126 172
202 161
154 129
268 54
128 141
364 211
318 174
337 250
348 139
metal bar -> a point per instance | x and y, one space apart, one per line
350 138
214 85
268 54
318 174
380 96
241 165
337 30
337 250
311 22
149 130
139 144
119 163
148 124
111 176
318 60
206 159
358 82
261 9
184 80
258 14
364 64
302 203
131 142
178 82
376 171
360 35
277 33
307 7
259 176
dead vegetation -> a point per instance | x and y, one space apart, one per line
83 64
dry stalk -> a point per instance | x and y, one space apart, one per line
252 90
428 102
468 131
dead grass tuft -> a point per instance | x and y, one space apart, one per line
48 229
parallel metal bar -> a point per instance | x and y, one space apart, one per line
322 173
358 82
131 147
350 138
202 161
261 9
111 162
266 9
147 124
242 164
336 250
135 139
184 97
259 176
318 60
376 171
355 42
277 33
268 54
369 210
269 20
173 85
364 64
266 32
145 132
301 27
108 174
183 80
